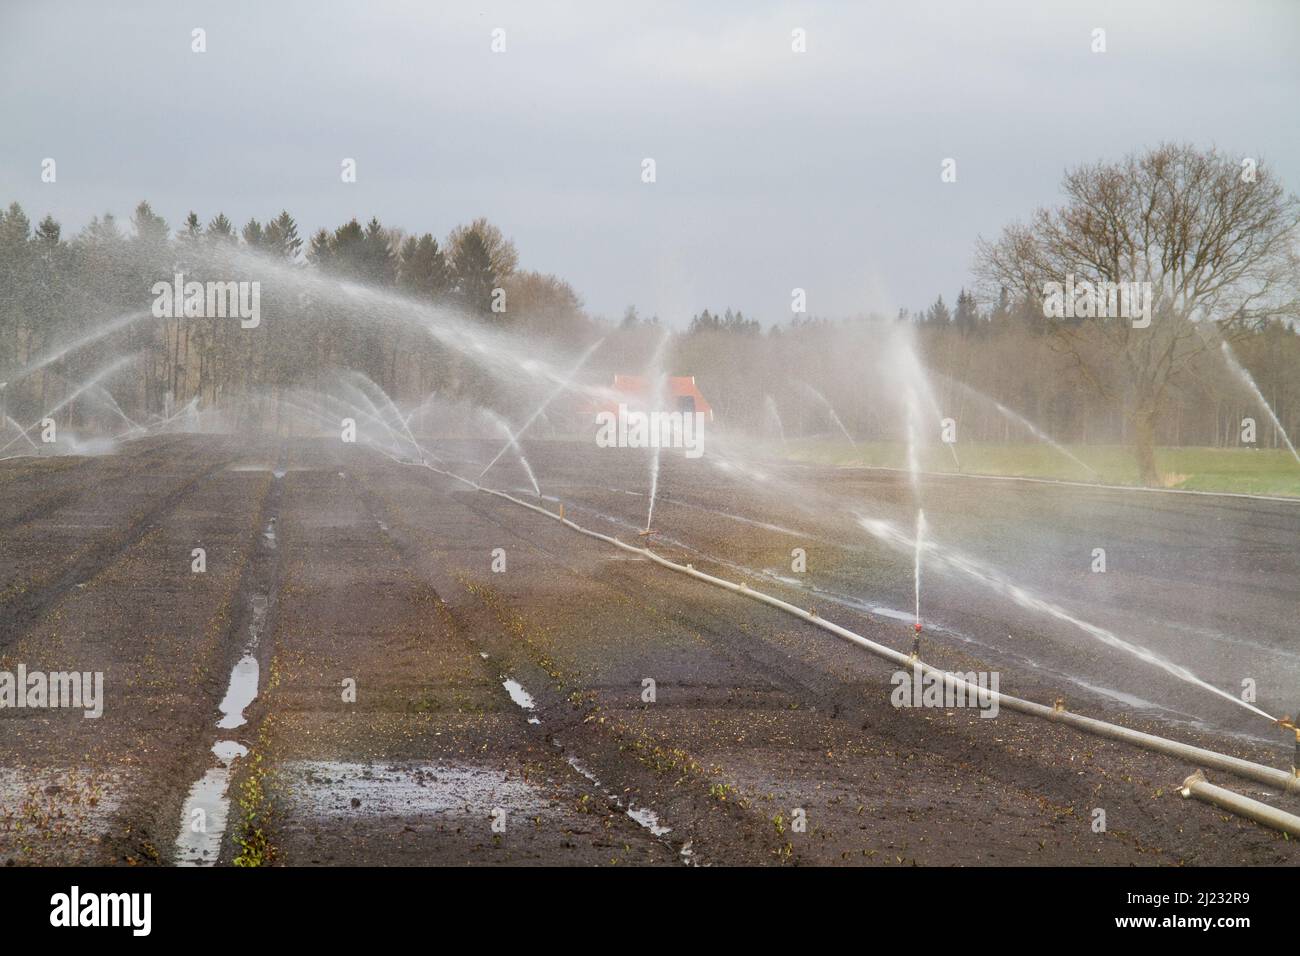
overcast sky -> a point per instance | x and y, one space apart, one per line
775 169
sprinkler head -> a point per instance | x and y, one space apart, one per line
1059 705
917 625
1288 723
647 532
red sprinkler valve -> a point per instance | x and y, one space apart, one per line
916 641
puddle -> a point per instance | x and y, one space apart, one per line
258 605
326 788
648 819
203 818
577 765
520 696
228 750
645 818
241 692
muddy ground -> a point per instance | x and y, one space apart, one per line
416 704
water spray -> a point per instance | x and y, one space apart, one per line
565 385
1025 423
830 411
770 405
512 442
86 386
660 385
950 559
916 627
1270 776
1249 380
22 432
657 379
101 331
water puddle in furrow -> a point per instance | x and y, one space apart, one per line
521 697
644 817
328 788
203 818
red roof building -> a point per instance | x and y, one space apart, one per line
683 395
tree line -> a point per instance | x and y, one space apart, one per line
1217 247
55 291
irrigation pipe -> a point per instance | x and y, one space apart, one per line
1197 786
1285 780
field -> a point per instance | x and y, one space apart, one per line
441 676
1253 471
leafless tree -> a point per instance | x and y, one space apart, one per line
1215 239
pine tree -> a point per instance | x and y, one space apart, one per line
500 250
15 279
377 262
938 314
346 251
221 229
282 238
423 269
967 317
321 251
150 228
193 229
474 276
254 234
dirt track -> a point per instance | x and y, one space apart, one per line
354 568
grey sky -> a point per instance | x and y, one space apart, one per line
775 169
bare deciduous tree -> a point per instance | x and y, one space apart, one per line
1214 240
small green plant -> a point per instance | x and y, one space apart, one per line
253 837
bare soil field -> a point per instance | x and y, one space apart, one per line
396 669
